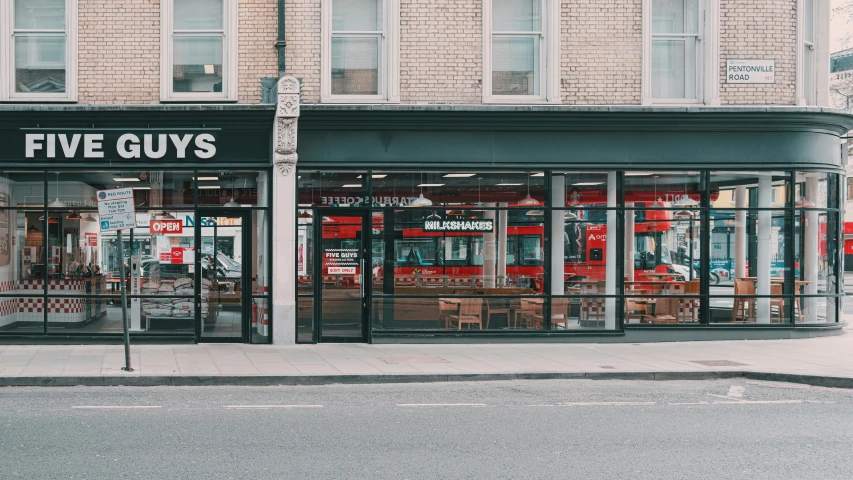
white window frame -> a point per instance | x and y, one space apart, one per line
229 57
549 58
7 57
819 44
707 57
389 58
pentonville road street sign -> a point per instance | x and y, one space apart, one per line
116 209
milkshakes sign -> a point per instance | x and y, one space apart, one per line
750 70
118 145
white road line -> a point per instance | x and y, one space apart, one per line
726 397
602 404
736 391
690 403
757 402
115 406
442 405
273 406
540 405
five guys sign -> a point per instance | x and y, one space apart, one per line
118 145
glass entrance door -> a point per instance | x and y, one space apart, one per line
343 291
224 288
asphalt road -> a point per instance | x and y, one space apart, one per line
578 429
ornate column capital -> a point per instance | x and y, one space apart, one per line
285 128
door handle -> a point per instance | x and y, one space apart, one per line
361 277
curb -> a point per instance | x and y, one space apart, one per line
274 380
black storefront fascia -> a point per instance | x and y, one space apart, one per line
456 138
239 134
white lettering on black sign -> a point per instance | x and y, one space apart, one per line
128 146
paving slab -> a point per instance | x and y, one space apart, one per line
824 361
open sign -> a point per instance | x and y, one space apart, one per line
159 227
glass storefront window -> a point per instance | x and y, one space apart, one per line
332 189
662 189
464 241
462 189
50 232
233 189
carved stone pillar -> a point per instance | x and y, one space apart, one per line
284 213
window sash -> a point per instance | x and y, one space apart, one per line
379 36
538 62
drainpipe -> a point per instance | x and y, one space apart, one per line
281 43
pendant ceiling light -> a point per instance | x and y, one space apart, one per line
434 216
528 200
89 218
421 201
657 202
57 203
683 214
570 215
535 213
479 196
305 214
231 203
74 216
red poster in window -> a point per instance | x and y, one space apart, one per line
848 246
177 255
92 239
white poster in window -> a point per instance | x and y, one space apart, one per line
301 264
751 70
5 230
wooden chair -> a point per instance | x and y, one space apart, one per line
529 312
688 309
501 310
445 310
666 310
559 313
633 309
470 313
777 305
743 308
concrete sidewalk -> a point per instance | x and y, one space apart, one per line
824 361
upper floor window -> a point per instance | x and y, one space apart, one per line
359 50
38 48
199 50
676 53
521 50
809 55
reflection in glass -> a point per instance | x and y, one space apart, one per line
197 63
355 65
40 64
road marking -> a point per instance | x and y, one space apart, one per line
442 405
726 397
756 402
736 391
115 406
690 403
540 405
273 406
602 404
